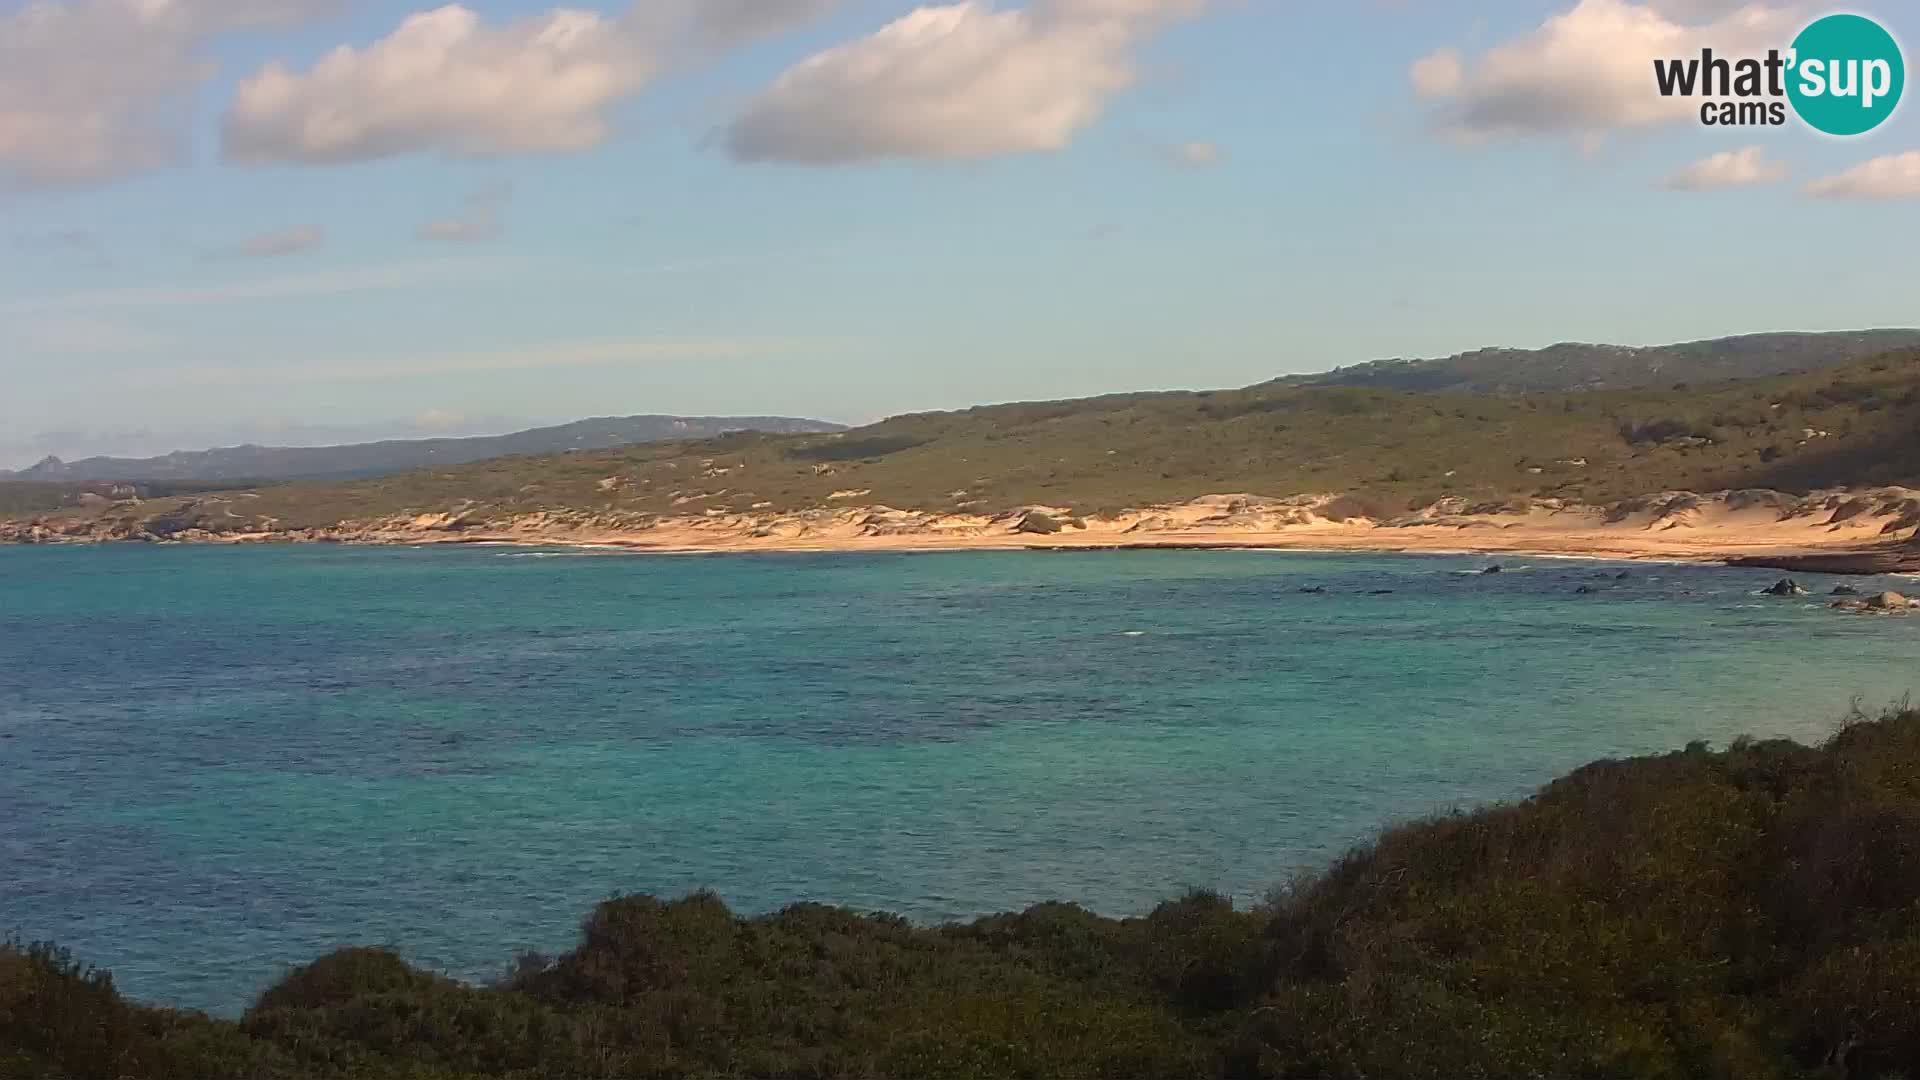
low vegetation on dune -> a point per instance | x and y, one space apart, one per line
1748 913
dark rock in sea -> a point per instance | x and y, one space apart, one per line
1844 590
1784 587
1882 602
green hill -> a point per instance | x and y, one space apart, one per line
1578 366
1855 425
32 497
1749 914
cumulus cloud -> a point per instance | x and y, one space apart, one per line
93 90
1896 176
479 220
295 240
445 81
1728 169
1439 74
1589 70
963 80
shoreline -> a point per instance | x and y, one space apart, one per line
1836 532
1276 543
1833 559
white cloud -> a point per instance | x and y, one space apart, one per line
1728 169
93 90
445 81
1589 70
1440 73
478 221
295 240
1896 176
964 80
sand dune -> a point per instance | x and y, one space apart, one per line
1671 525
1739 525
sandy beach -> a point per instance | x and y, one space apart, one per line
1669 526
1841 527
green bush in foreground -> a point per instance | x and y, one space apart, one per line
1753 913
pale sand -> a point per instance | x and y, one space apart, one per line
1673 526
1707 528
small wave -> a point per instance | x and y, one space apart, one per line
1638 560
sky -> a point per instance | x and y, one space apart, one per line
310 221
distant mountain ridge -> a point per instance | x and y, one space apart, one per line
365 460
1493 372
1579 366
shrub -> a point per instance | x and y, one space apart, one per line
1753 912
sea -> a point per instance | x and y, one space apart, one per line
219 762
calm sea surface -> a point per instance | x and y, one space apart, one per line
218 762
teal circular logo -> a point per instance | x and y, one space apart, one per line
1845 75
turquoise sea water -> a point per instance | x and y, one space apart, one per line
218 762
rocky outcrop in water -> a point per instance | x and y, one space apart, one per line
1886 602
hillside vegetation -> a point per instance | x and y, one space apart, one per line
1577 366
1752 914
1856 425
29 497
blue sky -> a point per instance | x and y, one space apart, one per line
962 204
